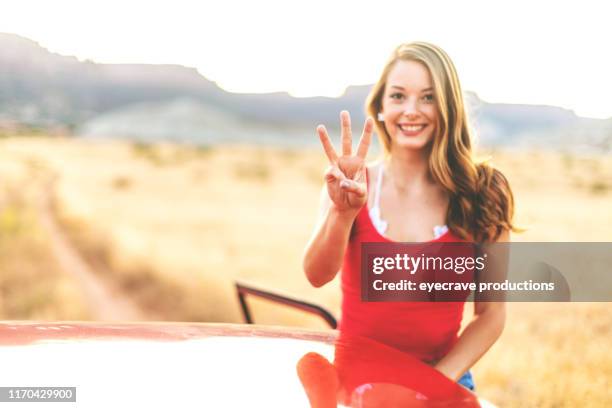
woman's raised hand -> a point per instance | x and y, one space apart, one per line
345 178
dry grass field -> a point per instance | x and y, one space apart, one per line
174 226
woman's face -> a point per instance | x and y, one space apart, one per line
409 108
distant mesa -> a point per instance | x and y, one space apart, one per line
171 102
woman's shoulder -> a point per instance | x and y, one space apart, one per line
374 164
373 167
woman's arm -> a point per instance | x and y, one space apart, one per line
325 250
343 197
481 333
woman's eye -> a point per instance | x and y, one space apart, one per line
396 95
428 98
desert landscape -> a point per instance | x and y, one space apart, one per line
166 229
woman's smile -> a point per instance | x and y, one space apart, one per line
410 129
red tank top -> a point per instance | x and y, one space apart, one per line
427 330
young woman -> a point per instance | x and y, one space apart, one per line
426 188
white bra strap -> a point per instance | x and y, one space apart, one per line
378 187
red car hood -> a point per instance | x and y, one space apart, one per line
217 365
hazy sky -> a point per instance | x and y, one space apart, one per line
538 52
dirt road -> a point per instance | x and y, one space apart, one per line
105 302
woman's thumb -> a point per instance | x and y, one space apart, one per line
352 187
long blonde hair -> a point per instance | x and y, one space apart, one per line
481 201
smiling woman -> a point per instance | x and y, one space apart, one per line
428 188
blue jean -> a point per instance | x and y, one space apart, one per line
467 381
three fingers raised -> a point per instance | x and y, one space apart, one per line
346 137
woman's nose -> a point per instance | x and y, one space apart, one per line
410 107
